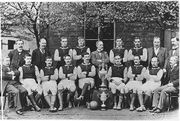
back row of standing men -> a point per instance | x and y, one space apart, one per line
97 58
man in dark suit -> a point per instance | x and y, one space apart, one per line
39 55
157 51
17 56
9 84
17 60
160 96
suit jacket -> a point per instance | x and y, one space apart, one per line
38 58
7 78
167 66
99 56
17 59
174 76
162 55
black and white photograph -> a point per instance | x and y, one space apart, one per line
89 60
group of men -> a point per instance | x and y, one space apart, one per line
139 71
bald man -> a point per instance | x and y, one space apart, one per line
39 55
153 76
160 94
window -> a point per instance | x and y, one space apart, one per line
11 44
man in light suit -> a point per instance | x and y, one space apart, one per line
157 51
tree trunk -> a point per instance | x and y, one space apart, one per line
36 34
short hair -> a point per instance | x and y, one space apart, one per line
137 38
48 57
85 53
117 55
177 39
19 40
156 58
63 38
80 37
42 39
176 58
98 42
27 55
4 58
118 39
156 37
137 56
67 56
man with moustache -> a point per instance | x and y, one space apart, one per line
160 94
79 50
68 75
153 77
61 52
99 58
17 60
86 72
138 50
39 55
118 50
157 51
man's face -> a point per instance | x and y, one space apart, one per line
42 43
154 62
118 42
81 42
156 42
20 45
86 58
100 46
27 60
137 43
174 42
48 62
117 59
136 60
67 60
7 61
64 42
172 61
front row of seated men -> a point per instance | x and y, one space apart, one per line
122 81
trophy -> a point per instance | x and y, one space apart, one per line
102 73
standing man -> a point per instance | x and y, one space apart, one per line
39 55
17 60
86 72
119 50
160 94
136 75
157 51
8 84
29 74
138 50
61 52
68 75
49 75
153 77
79 50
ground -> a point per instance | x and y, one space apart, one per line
83 113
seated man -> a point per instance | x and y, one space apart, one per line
160 95
116 76
29 74
8 84
153 81
68 75
86 73
49 75
136 75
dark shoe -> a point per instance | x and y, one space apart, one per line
154 109
19 112
157 111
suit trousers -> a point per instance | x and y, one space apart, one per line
16 95
160 95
